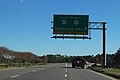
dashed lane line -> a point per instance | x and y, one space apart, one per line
42 68
26 72
66 65
15 76
66 75
66 70
34 70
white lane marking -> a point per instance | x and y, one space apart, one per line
66 64
42 68
66 70
65 75
102 75
15 76
34 70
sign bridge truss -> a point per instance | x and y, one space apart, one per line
91 26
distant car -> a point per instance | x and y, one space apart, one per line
78 62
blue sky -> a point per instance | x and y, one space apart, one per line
25 25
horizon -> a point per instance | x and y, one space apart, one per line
56 53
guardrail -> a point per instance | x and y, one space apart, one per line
107 66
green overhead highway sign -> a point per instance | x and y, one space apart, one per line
71 24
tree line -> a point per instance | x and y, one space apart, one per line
57 58
10 56
112 59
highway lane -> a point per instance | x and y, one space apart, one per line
52 72
31 73
4 75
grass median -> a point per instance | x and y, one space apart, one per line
114 72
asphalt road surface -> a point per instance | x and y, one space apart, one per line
52 72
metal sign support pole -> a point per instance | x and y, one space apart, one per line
101 26
104 45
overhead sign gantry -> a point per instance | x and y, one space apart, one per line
77 27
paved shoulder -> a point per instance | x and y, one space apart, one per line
85 74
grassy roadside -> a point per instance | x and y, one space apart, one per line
4 68
114 72
9 68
